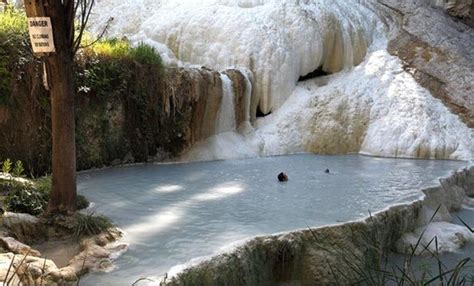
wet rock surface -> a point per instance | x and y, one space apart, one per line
436 48
180 107
22 265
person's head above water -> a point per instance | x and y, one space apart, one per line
282 177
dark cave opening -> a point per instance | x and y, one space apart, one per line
314 74
260 113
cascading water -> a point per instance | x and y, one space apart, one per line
226 118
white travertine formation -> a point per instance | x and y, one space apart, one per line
375 108
279 41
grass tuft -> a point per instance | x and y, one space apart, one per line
91 224
372 267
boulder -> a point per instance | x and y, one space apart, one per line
17 247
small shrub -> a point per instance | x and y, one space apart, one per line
113 48
24 198
91 224
13 47
82 202
13 21
43 184
18 169
7 166
31 198
146 54
15 170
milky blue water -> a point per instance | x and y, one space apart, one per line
173 213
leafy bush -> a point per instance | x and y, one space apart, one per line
82 202
15 170
43 184
31 198
25 198
13 22
146 54
91 224
121 49
7 166
113 48
18 169
13 46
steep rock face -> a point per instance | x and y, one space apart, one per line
461 9
198 91
242 87
436 50
167 113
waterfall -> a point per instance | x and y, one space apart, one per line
226 117
248 94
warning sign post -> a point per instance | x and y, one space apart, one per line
41 34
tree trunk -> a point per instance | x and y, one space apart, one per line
60 78
60 70
63 193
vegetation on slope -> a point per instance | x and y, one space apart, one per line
119 103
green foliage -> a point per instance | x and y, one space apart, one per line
18 169
145 54
91 224
82 202
13 47
14 170
43 184
122 80
110 48
13 22
7 166
24 198
120 104
121 49
31 197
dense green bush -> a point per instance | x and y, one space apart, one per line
82 202
145 54
31 198
14 48
25 198
122 81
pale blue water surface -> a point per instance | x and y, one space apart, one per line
173 213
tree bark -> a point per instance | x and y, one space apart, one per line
63 193
60 70
61 83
